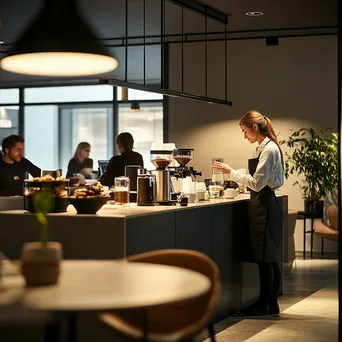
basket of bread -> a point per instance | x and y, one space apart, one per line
89 199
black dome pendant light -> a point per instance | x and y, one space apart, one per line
59 42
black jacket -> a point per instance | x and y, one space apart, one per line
116 166
75 167
12 176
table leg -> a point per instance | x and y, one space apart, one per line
312 236
72 327
52 330
145 325
304 238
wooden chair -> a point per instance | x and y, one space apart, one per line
328 232
172 322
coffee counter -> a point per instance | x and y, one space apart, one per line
11 202
214 228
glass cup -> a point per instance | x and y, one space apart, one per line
121 190
221 160
214 192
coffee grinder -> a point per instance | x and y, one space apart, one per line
161 159
184 156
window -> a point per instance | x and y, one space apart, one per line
89 123
138 95
9 121
85 93
9 96
41 136
146 126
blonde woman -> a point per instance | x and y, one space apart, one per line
262 241
81 163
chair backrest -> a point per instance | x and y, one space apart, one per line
332 215
102 166
191 317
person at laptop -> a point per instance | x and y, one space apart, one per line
116 166
14 167
81 163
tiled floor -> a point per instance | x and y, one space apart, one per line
309 309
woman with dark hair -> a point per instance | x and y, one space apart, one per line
81 163
116 166
262 242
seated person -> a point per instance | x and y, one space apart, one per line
116 166
13 167
81 163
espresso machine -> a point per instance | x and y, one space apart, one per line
161 159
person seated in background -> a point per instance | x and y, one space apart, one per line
13 166
81 163
116 166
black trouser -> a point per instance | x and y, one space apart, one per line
269 274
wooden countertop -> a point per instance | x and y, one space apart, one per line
132 210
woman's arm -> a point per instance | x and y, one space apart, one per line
262 174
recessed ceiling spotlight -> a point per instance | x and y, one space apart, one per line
1 42
254 14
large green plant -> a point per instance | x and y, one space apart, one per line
315 156
43 202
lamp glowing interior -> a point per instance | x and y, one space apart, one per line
59 64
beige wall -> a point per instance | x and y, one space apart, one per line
294 83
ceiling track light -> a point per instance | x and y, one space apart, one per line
59 42
254 14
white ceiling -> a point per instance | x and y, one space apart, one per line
108 19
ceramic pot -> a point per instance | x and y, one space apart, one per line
41 265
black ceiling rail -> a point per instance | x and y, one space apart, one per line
223 32
190 34
225 62
203 9
159 90
223 38
126 42
182 49
206 55
144 30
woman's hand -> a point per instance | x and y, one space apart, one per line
223 167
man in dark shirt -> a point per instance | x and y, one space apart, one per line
116 166
13 167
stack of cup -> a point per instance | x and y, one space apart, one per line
189 189
200 191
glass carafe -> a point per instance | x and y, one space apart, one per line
217 176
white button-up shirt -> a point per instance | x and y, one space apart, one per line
269 170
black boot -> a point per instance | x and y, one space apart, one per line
259 308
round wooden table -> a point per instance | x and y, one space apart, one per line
96 285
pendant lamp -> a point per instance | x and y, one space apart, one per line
135 107
59 42
5 122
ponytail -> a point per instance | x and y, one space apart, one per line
264 124
271 134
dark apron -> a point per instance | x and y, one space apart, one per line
262 241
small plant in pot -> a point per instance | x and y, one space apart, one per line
314 156
41 260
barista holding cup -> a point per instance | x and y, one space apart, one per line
262 242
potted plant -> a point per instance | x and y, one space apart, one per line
41 260
315 156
